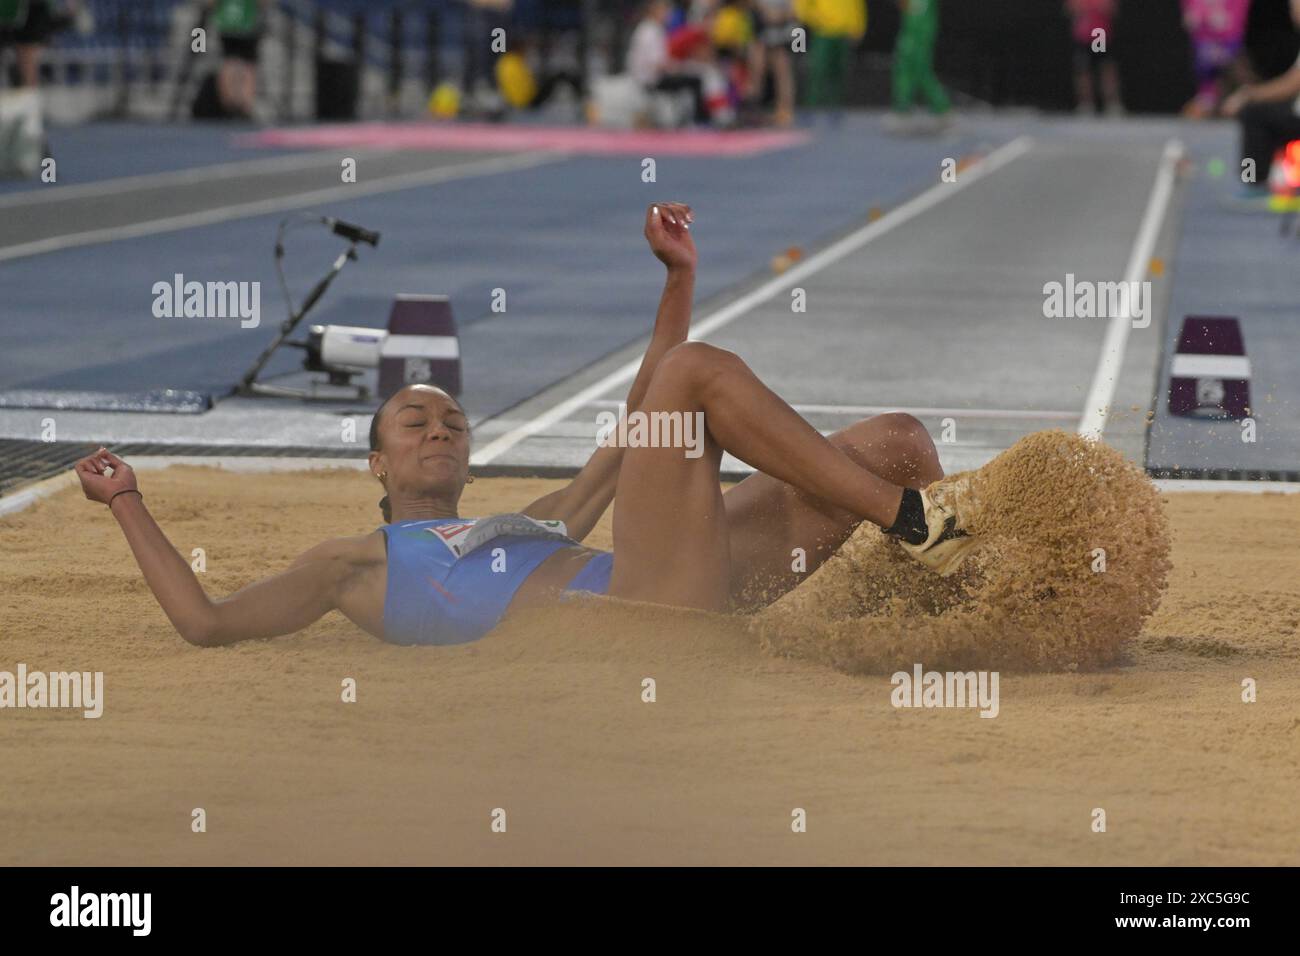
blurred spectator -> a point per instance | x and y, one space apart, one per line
773 57
834 27
690 45
914 66
731 27
1269 116
531 71
479 78
515 78
30 33
240 24
734 31
671 51
650 63
1272 42
1216 28
647 54
1096 73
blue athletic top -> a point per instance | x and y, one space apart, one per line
450 580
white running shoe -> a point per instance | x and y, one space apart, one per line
949 543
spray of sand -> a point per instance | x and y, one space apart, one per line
1075 558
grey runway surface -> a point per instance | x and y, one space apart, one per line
42 221
936 309
942 316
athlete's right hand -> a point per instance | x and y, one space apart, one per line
97 483
667 229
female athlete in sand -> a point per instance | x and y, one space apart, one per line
429 576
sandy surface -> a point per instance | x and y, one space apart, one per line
544 718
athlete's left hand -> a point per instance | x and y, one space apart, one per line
103 475
667 229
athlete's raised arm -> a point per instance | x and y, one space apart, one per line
581 503
279 605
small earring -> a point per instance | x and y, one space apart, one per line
469 479
382 475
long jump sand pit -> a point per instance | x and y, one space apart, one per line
545 718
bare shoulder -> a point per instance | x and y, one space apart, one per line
357 551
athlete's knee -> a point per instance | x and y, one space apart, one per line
902 426
696 365
914 439
911 455
908 431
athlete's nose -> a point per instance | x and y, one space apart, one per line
440 432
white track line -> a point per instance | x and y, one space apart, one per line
768 290
1010 413
182 177
1238 487
988 413
342 192
1096 407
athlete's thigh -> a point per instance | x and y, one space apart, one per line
779 535
670 529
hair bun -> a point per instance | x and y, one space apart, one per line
386 509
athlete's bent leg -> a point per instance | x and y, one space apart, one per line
670 527
671 537
769 519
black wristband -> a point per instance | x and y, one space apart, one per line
124 491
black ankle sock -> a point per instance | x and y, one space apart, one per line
910 524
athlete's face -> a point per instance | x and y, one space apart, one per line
424 443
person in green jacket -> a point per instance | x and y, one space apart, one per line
834 26
240 24
914 64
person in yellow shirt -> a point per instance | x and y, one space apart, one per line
834 26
